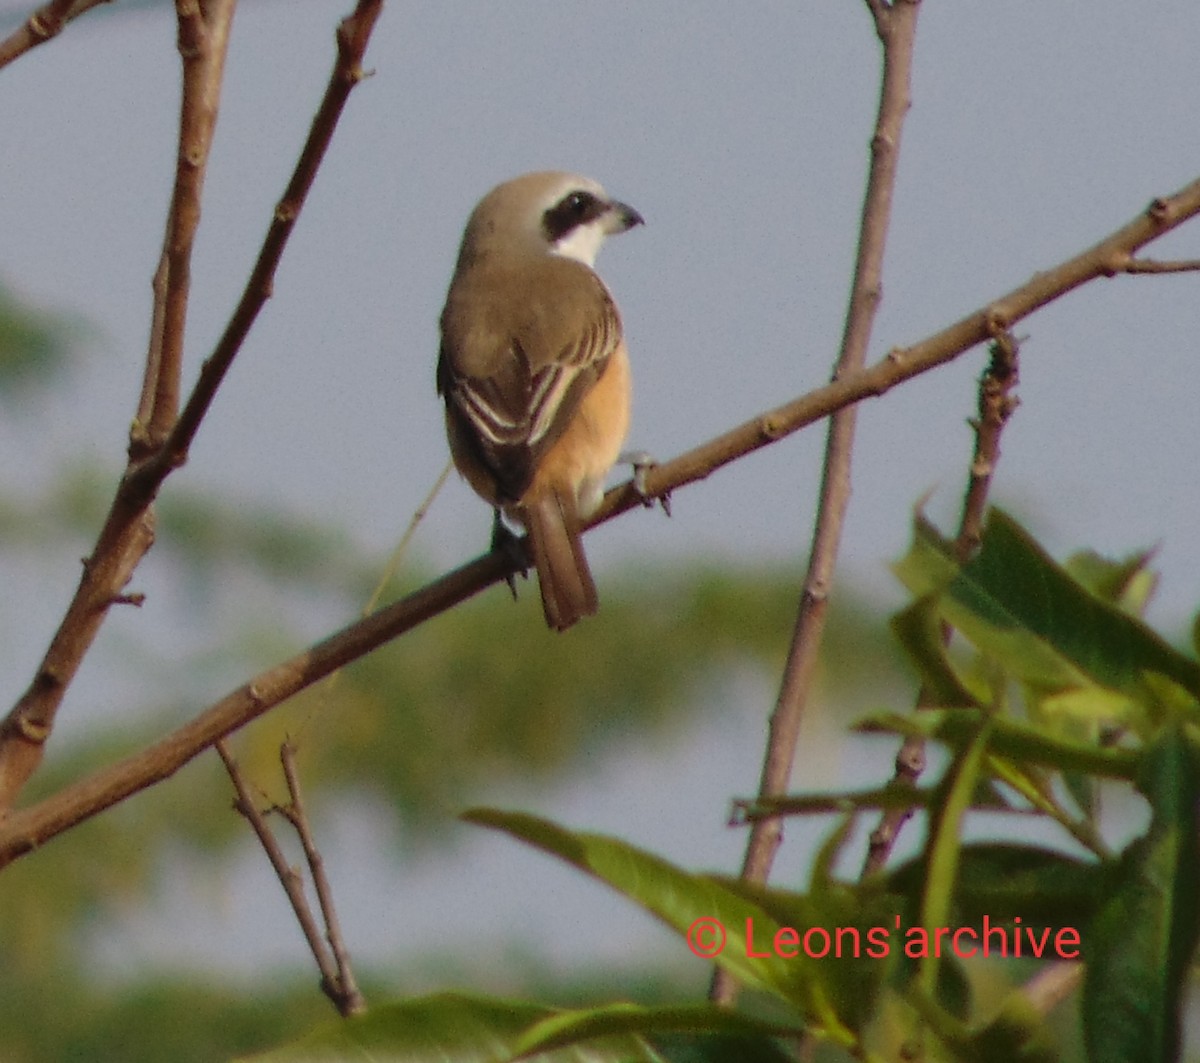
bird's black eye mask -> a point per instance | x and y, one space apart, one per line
574 209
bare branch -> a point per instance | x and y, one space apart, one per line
996 405
343 989
896 26
46 22
203 39
1149 265
289 877
352 36
129 527
26 829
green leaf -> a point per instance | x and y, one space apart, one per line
850 931
575 1027
1042 887
942 845
1127 583
447 1026
1015 603
1140 946
1019 1033
686 902
919 630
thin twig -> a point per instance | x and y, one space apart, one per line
352 36
46 22
28 828
1150 265
129 531
996 405
325 694
202 40
129 527
896 27
337 980
289 877
344 990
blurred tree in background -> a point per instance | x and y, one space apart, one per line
417 728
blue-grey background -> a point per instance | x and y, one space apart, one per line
741 132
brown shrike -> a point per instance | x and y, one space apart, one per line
534 371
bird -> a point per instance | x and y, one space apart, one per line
534 371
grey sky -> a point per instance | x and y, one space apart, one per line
740 131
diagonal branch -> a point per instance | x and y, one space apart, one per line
46 22
28 828
128 529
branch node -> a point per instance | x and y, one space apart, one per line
996 321
41 27
771 428
35 732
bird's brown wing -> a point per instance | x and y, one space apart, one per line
513 376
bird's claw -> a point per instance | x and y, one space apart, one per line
506 541
643 462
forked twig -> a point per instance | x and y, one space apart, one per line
129 526
333 959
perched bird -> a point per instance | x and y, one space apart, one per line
534 371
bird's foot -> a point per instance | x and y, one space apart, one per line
506 541
643 462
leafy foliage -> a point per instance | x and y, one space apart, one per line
1039 648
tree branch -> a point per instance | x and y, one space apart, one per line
26 829
337 978
343 990
46 22
896 26
1148 265
996 406
129 527
203 39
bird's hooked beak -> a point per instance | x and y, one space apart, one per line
621 217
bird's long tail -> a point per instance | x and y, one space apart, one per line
568 591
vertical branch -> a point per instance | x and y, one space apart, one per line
129 526
895 24
352 35
203 39
128 531
996 406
